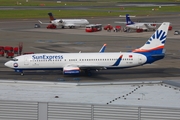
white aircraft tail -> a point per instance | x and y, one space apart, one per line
153 49
156 42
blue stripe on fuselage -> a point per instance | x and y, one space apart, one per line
153 55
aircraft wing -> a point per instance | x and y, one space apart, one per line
146 23
86 66
91 67
44 23
75 69
70 24
139 22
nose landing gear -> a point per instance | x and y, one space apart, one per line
20 71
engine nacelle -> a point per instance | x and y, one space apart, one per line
71 70
60 21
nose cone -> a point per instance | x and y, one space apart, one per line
9 64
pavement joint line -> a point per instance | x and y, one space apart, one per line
37 83
80 84
120 83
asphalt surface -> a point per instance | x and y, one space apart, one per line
64 40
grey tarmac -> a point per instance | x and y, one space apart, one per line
74 40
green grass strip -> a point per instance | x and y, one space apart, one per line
27 14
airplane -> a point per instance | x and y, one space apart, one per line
75 63
71 23
146 26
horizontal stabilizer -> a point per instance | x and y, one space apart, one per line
125 16
43 23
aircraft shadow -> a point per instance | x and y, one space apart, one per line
104 75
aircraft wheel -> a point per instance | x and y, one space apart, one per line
128 29
125 29
88 72
145 30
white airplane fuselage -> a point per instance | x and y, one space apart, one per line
70 22
83 60
141 26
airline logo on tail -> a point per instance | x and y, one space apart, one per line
156 41
159 35
128 20
51 16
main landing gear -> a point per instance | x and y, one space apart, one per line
22 74
71 27
88 72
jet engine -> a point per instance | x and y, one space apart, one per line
71 70
60 21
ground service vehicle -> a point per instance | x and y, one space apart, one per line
8 50
93 27
108 27
176 32
1 50
51 26
170 28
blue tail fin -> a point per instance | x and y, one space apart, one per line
128 20
51 16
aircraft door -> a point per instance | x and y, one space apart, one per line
26 62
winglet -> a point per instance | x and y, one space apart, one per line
118 61
103 48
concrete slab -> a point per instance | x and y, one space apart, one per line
137 93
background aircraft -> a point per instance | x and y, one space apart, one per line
74 63
70 23
132 25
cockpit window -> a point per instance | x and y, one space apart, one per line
15 59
